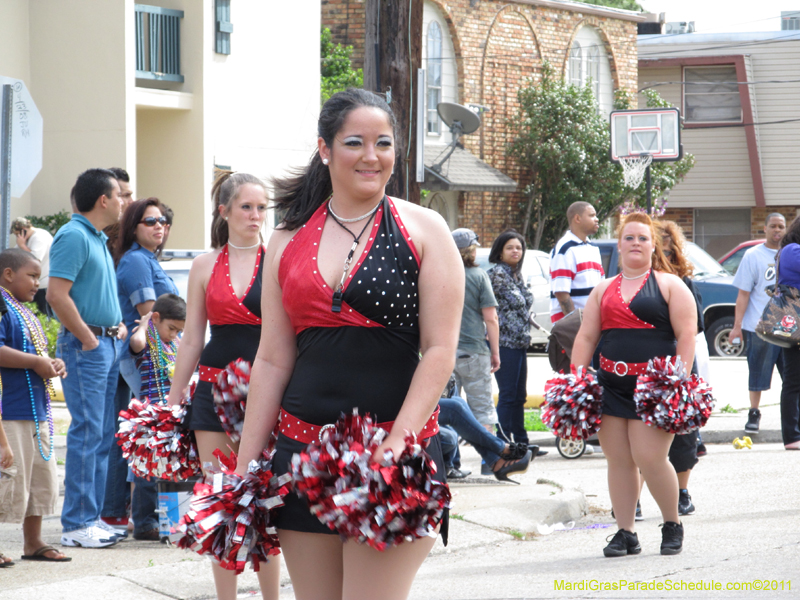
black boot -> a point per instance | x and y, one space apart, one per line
671 538
623 542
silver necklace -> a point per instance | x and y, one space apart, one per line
256 245
635 277
357 219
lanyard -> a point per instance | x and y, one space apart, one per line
337 295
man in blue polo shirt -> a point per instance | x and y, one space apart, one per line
83 294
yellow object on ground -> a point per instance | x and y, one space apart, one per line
745 442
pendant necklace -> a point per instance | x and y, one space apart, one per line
337 295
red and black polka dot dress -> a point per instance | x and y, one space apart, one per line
363 356
633 332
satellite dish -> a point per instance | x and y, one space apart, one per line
461 121
458 117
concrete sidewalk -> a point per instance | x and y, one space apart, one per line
485 513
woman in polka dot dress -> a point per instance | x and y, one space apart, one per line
643 312
224 292
357 286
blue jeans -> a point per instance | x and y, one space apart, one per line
454 412
89 391
762 358
118 490
512 379
449 440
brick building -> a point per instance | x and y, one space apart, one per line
478 53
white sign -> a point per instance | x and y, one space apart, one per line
26 137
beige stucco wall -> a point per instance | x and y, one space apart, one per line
78 81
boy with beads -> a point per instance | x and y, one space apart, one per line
26 370
153 345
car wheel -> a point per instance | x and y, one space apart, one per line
719 343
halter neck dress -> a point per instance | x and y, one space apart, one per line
633 332
235 332
364 356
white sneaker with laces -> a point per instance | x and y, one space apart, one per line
89 537
119 532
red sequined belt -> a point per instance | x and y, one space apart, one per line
209 374
294 428
622 368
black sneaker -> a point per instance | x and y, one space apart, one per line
685 506
671 538
753 420
454 473
623 543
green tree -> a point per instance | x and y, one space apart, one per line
563 144
561 141
337 72
51 223
626 4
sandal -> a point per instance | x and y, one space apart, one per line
5 561
41 555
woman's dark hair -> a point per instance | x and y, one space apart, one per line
302 193
496 253
170 306
792 235
224 191
128 223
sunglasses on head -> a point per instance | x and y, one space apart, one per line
151 221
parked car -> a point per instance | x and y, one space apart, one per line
732 259
536 273
715 285
176 264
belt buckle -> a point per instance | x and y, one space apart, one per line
111 331
323 428
624 364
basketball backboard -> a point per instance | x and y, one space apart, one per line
653 131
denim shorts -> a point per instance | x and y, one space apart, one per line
761 359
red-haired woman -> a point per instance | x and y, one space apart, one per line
642 313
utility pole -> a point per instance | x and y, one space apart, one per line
392 55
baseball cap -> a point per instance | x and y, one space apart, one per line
465 238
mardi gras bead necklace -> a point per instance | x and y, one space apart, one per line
28 321
162 359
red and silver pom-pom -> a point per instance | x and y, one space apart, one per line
382 503
672 400
573 405
230 396
154 442
231 518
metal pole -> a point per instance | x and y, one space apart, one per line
5 165
649 193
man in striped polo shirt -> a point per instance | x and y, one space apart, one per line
575 266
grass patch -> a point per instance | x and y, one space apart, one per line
728 409
457 517
60 461
533 421
517 534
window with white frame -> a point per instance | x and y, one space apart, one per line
588 64
434 69
711 94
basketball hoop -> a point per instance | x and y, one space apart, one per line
634 167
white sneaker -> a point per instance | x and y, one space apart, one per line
589 450
89 537
119 532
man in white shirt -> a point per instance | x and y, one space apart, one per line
575 266
756 272
37 241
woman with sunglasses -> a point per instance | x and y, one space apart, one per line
140 280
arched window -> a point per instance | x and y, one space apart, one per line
593 70
575 75
434 69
